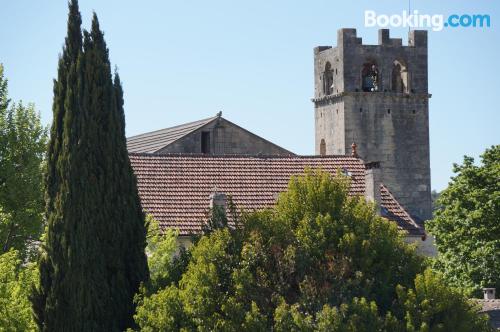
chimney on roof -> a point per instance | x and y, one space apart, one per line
219 114
354 152
218 199
373 180
489 293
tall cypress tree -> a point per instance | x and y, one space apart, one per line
53 256
93 259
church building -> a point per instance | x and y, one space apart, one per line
371 110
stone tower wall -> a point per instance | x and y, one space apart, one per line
390 127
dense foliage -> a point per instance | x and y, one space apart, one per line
15 279
320 260
93 258
162 261
467 226
434 199
23 142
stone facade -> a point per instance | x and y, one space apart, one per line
222 137
426 246
377 96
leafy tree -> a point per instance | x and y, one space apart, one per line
162 311
4 98
93 259
15 308
320 260
357 316
434 198
467 227
23 142
166 260
432 306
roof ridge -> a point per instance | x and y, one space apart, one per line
242 156
204 121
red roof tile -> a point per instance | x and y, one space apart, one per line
175 189
392 210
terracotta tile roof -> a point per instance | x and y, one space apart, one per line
392 210
156 140
175 189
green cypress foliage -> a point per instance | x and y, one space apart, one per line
93 259
53 259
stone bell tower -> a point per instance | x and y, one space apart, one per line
377 96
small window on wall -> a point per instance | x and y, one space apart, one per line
205 142
370 80
322 148
328 79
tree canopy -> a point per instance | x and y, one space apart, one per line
320 260
23 142
467 227
15 281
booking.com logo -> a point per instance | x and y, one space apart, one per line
435 22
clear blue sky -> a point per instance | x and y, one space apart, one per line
185 60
